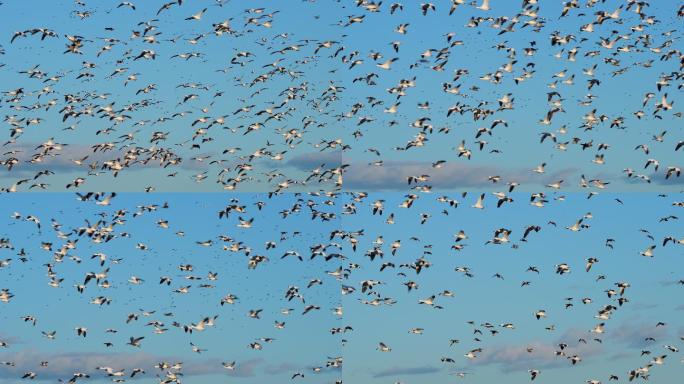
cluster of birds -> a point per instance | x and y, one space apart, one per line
168 90
315 104
498 272
312 96
540 82
98 256
340 263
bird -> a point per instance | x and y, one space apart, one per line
533 373
197 16
135 341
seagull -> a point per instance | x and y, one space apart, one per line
533 373
197 16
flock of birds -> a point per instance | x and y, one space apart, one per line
270 99
464 280
350 124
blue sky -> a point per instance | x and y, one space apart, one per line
167 74
306 341
334 138
307 23
486 299
62 309
519 142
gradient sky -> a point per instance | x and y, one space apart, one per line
519 142
416 358
309 22
348 154
62 309
306 341
167 73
